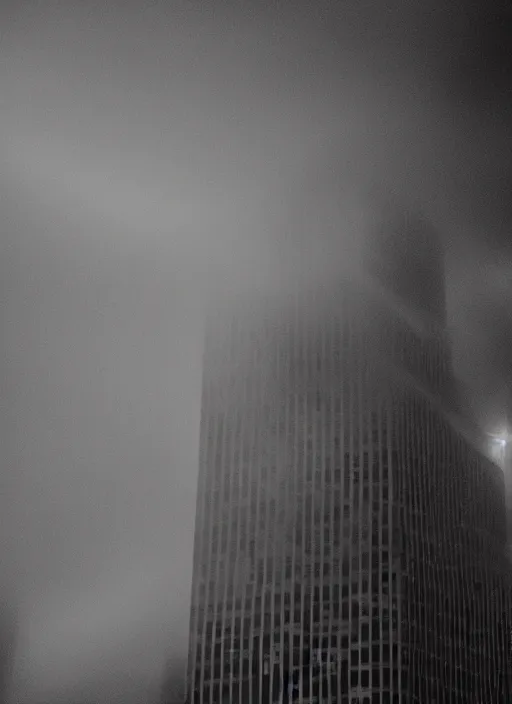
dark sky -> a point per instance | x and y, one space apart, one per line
144 145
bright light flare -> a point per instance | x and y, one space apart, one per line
498 444
501 439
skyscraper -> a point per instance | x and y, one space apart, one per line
350 535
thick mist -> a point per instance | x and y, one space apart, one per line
147 152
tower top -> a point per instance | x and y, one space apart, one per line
406 256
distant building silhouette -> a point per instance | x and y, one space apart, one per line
173 684
8 633
350 534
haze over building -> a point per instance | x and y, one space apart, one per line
351 533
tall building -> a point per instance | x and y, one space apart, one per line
350 534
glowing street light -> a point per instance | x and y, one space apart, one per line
502 438
500 444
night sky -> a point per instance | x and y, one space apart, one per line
143 147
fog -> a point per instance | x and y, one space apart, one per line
145 152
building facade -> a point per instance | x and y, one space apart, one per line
350 536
